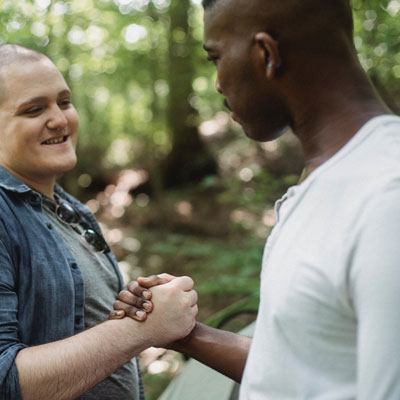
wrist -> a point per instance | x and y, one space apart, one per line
184 345
130 334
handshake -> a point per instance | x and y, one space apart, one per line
167 303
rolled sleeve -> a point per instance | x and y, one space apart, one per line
9 389
9 326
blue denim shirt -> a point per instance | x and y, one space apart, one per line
41 286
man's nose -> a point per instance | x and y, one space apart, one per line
57 119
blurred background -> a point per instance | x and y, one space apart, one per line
174 182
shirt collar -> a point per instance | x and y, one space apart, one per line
10 182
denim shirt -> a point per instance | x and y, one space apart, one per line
41 286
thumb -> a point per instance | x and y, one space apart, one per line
154 280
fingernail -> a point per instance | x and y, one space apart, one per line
119 313
146 294
147 305
140 314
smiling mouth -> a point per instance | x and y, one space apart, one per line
56 140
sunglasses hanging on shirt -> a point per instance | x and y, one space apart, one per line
67 214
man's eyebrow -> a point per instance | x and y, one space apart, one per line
64 92
43 98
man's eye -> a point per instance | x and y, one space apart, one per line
33 110
64 103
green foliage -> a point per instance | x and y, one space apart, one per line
234 267
114 54
219 243
219 267
264 188
377 27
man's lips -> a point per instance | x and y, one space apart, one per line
233 115
226 104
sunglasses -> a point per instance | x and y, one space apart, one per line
68 215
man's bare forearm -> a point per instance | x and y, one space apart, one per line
67 368
224 351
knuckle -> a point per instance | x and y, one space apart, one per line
123 294
132 285
189 279
138 302
131 311
128 299
185 302
117 305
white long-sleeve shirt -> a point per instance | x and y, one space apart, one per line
329 320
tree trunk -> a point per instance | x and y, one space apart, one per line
189 160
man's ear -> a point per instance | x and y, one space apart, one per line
268 50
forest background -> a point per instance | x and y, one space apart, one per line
175 183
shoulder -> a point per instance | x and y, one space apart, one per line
368 164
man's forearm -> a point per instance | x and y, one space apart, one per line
67 368
224 351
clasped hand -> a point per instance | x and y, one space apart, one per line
168 301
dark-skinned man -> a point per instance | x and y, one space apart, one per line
328 320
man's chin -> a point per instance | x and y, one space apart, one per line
263 134
235 118
65 167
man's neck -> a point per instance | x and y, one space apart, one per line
326 132
330 103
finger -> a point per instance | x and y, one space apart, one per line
130 299
130 311
193 297
184 282
195 310
116 314
136 289
167 277
153 280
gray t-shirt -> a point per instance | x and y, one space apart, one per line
101 287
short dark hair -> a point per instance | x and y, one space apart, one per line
208 3
283 14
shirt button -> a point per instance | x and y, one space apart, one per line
74 265
77 320
291 192
50 226
34 199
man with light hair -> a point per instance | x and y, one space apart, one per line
58 277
